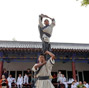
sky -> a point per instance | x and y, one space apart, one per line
19 20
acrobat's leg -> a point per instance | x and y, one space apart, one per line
45 46
49 47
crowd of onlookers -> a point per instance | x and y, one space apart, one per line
29 79
79 84
61 79
10 81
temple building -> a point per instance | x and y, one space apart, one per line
72 59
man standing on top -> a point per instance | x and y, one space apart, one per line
43 70
45 31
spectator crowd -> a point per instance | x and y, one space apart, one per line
29 79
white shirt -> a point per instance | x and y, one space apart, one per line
73 86
63 79
59 77
86 85
10 79
20 80
76 83
25 79
70 80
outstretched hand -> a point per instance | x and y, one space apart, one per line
51 54
46 52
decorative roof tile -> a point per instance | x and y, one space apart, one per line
54 45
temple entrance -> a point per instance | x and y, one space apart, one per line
80 75
86 76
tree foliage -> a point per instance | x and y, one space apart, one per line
85 2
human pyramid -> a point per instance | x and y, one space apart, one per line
42 70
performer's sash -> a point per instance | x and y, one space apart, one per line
35 73
41 32
38 70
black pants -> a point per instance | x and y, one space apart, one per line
46 46
29 80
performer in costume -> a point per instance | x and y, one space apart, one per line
45 32
43 71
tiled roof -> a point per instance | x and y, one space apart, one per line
28 44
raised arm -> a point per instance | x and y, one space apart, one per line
39 65
53 22
51 54
40 20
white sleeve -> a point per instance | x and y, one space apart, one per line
87 86
17 80
53 23
22 79
40 22
71 86
8 79
51 62
58 79
14 80
33 68
65 79
27 80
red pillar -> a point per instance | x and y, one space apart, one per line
73 70
1 68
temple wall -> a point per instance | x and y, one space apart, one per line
16 66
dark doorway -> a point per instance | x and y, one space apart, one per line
69 74
80 76
86 76
76 75
12 73
24 72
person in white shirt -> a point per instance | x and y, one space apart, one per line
59 77
45 31
63 80
76 83
19 81
26 79
85 84
10 80
73 85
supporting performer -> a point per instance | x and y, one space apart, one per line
45 32
43 70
